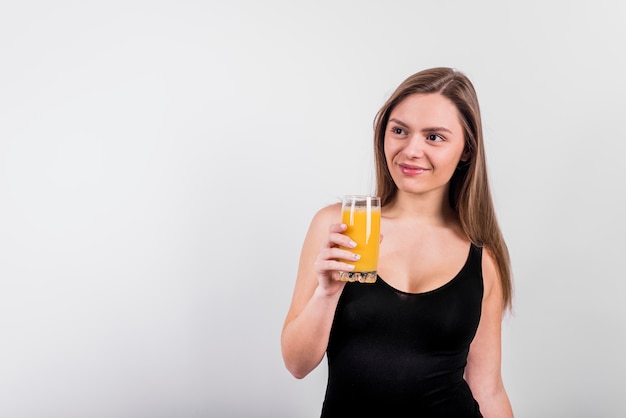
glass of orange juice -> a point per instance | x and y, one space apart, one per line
362 216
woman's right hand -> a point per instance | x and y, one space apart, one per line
330 262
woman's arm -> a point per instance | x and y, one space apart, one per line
306 330
483 371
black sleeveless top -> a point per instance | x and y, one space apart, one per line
404 354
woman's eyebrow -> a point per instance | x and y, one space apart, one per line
437 129
428 129
399 122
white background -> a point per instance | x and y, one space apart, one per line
160 162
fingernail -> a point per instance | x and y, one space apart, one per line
352 244
356 257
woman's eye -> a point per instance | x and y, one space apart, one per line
397 131
434 138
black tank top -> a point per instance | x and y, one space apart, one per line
404 354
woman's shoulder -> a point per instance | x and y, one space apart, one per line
328 214
491 276
323 218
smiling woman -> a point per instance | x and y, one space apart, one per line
423 339
424 143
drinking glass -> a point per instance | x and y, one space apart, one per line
362 216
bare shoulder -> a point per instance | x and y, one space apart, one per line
318 229
491 276
328 215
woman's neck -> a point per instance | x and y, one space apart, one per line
426 209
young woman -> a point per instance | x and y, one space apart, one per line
425 338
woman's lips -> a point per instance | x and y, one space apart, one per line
411 170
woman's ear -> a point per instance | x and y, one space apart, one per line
466 155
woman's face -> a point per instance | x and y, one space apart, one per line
424 142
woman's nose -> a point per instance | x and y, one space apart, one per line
415 147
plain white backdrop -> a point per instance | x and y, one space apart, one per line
160 162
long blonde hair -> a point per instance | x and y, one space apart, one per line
470 195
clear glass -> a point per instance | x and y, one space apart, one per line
362 216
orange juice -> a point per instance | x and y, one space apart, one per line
363 221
